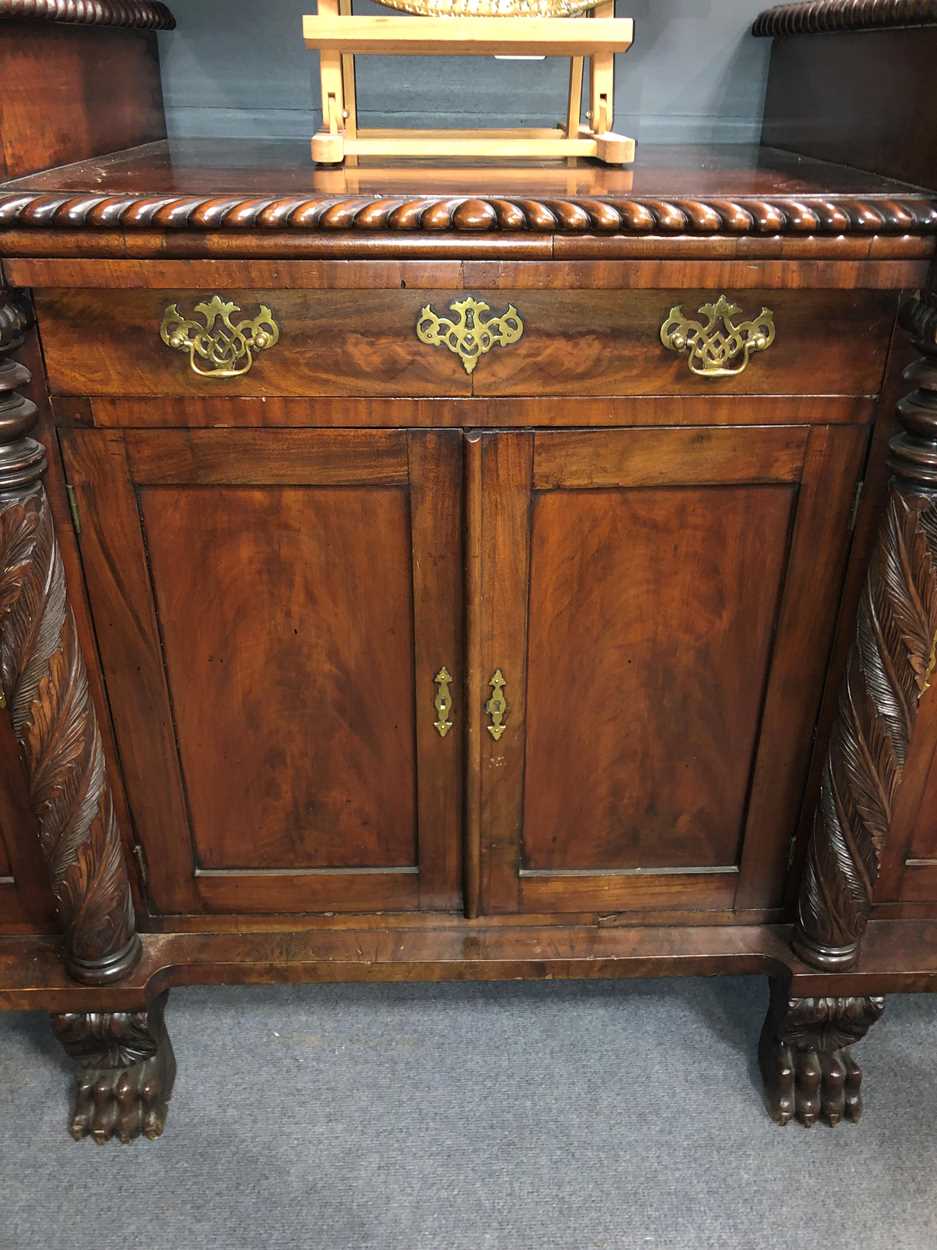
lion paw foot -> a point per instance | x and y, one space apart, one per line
126 1072
122 1103
810 1085
806 1062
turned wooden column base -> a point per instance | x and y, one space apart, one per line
106 971
808 1070
826 958
126 1072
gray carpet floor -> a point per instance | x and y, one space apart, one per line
565 1116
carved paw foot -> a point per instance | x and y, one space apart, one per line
808 1085
809 1072
123 1103
126 1072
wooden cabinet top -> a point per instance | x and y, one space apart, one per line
252 190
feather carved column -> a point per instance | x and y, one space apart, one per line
44 691
890 668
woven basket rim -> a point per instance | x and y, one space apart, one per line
492 8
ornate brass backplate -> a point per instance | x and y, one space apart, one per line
471 333
497 705
219 348
443 702
719 347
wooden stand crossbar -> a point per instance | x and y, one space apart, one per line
339 36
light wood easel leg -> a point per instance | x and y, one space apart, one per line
602 79
574 109
328 145
348 87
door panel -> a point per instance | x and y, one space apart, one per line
681 590
282 710
270 638
650 603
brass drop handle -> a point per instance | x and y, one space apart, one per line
218 346
497 705
720 347
443 702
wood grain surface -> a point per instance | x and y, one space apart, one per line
283 722
575 343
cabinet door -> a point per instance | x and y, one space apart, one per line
650 613
272 609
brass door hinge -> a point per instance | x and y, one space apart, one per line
73 507
857 499
140 856
791 850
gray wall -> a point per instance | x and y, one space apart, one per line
239 69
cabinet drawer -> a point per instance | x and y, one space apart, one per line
529 342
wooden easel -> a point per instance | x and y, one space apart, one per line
339 36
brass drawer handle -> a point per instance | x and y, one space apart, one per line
443 702
720 347
497 705
225 347
471 334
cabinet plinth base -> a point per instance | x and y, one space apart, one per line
117 1035
449 948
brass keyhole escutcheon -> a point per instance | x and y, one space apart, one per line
497 705
443 702
472 332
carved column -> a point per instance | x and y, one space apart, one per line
44 689
891 665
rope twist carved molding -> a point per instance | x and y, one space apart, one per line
743 216
891 665
45 690
825 16
136 14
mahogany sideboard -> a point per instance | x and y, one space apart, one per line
435 572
